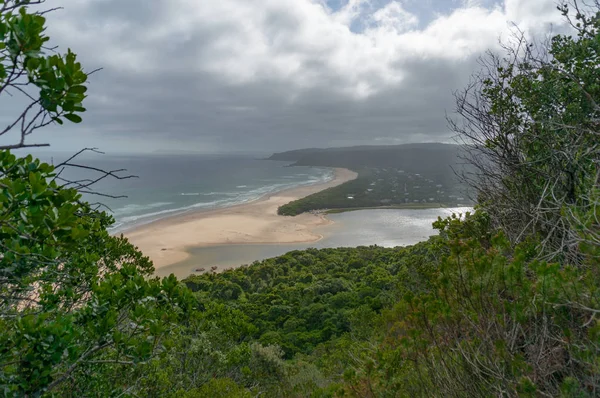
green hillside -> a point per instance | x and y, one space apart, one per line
400 176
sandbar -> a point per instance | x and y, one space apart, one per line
167 241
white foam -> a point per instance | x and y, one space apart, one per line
220 194
153 215
134 207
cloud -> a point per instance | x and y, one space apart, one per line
276 74
395 18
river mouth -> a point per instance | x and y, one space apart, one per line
386 228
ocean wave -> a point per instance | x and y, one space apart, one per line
209 194
220 194
153 215
242 186
134 207
116 226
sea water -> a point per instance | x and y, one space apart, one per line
166 185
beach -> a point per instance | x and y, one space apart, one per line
167 241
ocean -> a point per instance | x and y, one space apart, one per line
166 185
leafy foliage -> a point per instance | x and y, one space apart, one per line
496 322
531 122
74 301
79 308
463 314
304 298
54 84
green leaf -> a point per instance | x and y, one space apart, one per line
73 117
78 90
33 63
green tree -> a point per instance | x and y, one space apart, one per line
496 322
79 308
53 84
531 122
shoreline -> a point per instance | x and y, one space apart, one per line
166 241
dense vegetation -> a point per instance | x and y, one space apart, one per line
463 314
78 307
304 298
75 302
401 176
379 188
504 302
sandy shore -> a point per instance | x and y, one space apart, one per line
166 241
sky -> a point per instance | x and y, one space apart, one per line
269 75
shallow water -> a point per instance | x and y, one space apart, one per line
386 227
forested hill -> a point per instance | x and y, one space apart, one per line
432 159
388 176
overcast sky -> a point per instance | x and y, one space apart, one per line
262 75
